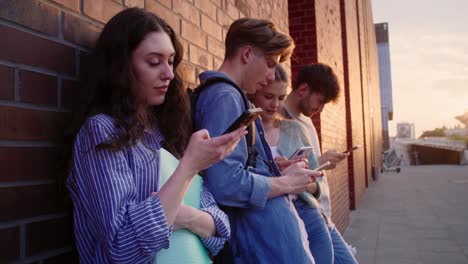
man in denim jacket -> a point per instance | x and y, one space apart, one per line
265 225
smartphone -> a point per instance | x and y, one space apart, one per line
245 119
302 152
323 166
351 149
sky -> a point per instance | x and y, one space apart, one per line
429 60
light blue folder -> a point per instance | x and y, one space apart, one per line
185 247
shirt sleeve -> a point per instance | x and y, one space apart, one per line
228 180
130 231
223 231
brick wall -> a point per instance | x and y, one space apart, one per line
43 42
338 33
333 117
370 90
376 114
352 69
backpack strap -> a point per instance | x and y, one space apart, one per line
250 137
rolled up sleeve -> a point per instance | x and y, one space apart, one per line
223 231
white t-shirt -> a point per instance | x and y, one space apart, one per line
274 151
324 199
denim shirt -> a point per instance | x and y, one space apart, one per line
263 230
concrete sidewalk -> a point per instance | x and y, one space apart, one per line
419 216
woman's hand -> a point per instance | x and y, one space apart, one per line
203 151
283 162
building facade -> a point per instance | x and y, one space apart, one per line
45 41
385 76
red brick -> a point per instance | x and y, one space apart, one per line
232 11
187 11
7 83
72 4
38 88
80 31
69 258
29 201
24 48
216 47
10 244
206 7
223 19
28 163
193 34
187 70
185 46
218 3
26 124
217 63
243 7
47 235
31 13
101 10
134 3
166 14
201 58
166 3
69 94
211 27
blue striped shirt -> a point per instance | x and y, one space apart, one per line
115 219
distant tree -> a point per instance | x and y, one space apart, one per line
461 138
438 132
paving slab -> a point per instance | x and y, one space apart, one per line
418 216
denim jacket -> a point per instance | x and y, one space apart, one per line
263 230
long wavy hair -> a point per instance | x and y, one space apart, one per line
108 79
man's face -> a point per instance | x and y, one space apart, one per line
260 71
312 104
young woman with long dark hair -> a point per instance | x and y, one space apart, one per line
136 105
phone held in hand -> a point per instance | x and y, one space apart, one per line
245 119
302 152
322 167
351 149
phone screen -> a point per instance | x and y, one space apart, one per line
302 152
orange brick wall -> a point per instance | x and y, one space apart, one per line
333 117
43 42
338 33
356 164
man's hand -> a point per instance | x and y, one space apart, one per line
283 162
333 156
294 180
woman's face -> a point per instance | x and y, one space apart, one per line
271 98
152 65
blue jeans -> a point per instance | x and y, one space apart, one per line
325 241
